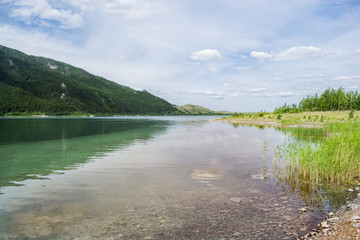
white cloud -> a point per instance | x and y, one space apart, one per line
261 55
207 93
256 89
149 43
294 53
40 10
134 8
308 75
206 55
278 94
36 43
203 92
353 77
262 94
286 94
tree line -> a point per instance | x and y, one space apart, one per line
329 100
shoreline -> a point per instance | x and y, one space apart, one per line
264 123
343 223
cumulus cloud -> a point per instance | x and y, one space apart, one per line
261 55
206 55
300 52
40 11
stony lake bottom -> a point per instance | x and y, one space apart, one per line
150 178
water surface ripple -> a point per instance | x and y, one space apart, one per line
144 178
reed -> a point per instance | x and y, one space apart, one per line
335 158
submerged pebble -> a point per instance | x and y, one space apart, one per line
334 219
235 199
353 206
302 210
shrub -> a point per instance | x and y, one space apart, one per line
351 114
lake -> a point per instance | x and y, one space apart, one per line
150 178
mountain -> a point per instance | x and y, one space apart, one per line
30 84
190 109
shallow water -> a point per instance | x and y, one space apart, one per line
147 178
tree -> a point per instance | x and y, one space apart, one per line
329 100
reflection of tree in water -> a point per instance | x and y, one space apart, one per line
32 154
259 126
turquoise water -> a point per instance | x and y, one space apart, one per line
144 178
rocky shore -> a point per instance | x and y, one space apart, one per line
343 224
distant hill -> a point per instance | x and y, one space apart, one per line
190 109
31 84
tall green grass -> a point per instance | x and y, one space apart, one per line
335 158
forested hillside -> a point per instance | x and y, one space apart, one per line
329 100
31 84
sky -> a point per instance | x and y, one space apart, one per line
235 55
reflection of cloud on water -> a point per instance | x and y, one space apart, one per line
205 175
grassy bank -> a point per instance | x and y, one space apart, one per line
330 147
334 158
304 119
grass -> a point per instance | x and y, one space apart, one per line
335 158
291 119
327 147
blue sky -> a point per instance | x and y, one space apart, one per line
238 55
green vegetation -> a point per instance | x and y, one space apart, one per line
301 119
190 109
30 85
329 100
334 158
327 145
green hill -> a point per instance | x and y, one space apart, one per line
190 109
30 84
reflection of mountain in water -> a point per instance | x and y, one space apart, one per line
35 148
